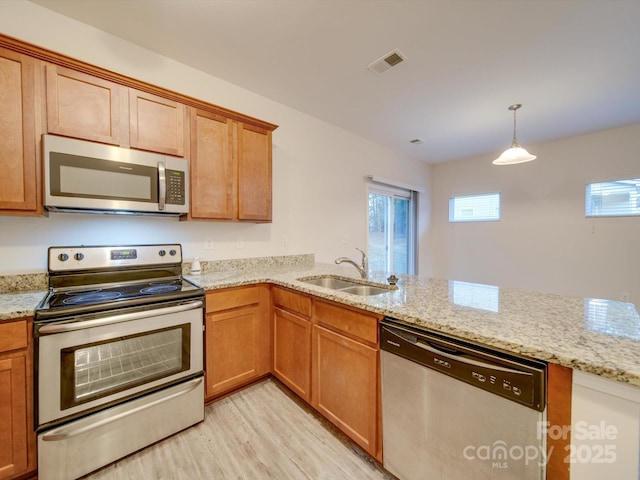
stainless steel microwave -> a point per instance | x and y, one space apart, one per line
88 177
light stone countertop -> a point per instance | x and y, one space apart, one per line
597 336
20 304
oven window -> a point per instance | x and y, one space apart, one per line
99 369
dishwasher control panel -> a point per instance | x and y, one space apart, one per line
515 378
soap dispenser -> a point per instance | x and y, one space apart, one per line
195 267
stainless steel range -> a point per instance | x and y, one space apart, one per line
119 355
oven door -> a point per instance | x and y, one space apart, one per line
87 365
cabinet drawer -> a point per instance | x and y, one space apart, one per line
354 324
13 335
292 301
232 298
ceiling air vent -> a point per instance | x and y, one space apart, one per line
384 63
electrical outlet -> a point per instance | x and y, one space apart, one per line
624 296
346 238
208 244
285 240
239 242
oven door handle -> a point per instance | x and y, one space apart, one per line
66 432
125 317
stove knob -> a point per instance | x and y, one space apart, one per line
162 253
63 257
79 256
172 252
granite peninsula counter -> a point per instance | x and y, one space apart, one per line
597 336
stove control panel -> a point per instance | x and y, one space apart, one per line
61 259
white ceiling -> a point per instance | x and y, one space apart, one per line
574 65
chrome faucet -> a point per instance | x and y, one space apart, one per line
363 269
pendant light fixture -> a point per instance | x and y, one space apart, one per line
514 154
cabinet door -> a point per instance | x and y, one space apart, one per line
19 178
13 415
254 173
292 351
233 348
82 106
156 124
345 385
213 169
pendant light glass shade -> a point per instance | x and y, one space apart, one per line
515 154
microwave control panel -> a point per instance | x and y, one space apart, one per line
175 187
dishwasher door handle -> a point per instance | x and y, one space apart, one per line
450 353
469 361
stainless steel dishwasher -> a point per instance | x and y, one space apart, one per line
453 410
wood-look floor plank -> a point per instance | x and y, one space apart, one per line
260 433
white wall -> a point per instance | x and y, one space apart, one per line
319 192
543 241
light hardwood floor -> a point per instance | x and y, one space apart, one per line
261 432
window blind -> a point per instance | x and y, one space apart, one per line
474 208
616 198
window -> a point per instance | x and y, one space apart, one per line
474 208
616 198
391 230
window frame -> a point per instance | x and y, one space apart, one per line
588 203
412 196
453 198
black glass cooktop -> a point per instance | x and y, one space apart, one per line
106 297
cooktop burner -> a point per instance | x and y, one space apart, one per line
90 297
162 288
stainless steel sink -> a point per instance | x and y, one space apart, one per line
346 286
328 282
365 290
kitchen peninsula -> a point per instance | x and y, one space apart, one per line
597 336
594 337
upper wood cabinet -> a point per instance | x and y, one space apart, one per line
20 178
213 169
91 108
156 123
230 169
83 106
254 173
45 92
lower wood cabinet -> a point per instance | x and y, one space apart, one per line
292 352
324 352
345 372
237 338
17 438
328 355
345 385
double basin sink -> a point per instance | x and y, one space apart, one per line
347 286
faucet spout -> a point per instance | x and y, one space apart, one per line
363 269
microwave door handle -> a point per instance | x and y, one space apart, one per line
162 185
